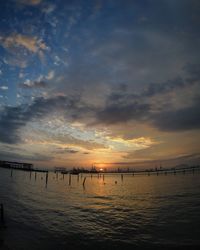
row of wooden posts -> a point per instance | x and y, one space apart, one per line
102 175
47 177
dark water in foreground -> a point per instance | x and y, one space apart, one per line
141 211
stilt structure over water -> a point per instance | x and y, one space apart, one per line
19 166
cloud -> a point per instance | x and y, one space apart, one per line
29 2
50 75
5 155
31 43
162 88
4 87
65 151
31 85
183 119
12 119
167 162
48 8
115 113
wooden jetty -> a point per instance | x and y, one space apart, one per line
20 166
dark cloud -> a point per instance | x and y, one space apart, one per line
187 118
113 114
12 119
65 151
193 72
5 155
163 88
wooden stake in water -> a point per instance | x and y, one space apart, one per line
69 179
84 182
122 177
2 214
47 175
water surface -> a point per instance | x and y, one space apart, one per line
140 211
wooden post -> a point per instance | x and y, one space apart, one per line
47 178
84 182
122 177
69 179
2 214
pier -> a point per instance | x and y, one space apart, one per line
20 166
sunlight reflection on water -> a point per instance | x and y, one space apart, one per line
138 211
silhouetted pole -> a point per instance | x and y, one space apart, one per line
2 214
69 179
11 173
122 177
84 182
47 175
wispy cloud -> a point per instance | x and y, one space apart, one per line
4 87
29 2
31 43
33 84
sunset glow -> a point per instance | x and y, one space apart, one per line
103 83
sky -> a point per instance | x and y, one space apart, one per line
110 83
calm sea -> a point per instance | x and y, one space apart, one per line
138 212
